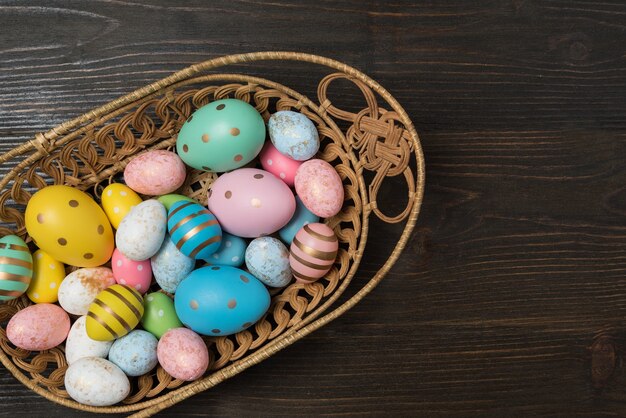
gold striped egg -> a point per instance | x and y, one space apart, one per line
313 252
16 267
114 313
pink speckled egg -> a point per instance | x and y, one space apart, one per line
38 327
155 173
183 354
250 202
278 164
137 274
313 252
319 187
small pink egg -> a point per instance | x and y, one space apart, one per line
137 274
183 354
38 327
155 173
319 187
313 252
278 164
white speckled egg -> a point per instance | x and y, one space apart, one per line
97 382
79 288
268 260
141 232
170 266
79 345
135 353
293 135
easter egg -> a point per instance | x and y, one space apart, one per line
79 345
79 288
169 199
141 232
293 134
278 164
170 266
137 274
220 300
47 277
221 136
301 217
320 188
193 229
183 354
95 381
135 353
16 267
313 252
268 260
38 327
159 314
117 201
250 202
155 172
114 313
70 226
231 252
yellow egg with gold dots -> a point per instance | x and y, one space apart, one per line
70 226
48 274
117 200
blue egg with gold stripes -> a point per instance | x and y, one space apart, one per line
16 267
193 229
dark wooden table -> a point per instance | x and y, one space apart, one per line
519 255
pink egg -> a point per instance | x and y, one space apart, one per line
155 173
38 327
278 164
183 354
319 187
249 202
137 274
313 252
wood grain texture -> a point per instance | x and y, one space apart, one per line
519 256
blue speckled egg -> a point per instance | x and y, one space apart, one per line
231 252
293 135
193 229
268 260
135 353
170 266
16 267
301 217
220 300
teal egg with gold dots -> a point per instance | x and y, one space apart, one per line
221 136
16 267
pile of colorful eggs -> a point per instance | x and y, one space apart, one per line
126 249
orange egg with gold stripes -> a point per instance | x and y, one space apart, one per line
16 267
114 313
313 252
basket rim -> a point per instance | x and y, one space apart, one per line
149 407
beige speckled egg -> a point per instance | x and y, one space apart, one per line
97 382
141 232
81 287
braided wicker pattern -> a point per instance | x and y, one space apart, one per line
92 151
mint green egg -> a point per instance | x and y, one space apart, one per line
169 199
159 314
221 136
16 267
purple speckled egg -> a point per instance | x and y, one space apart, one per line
155 173
38 327
249 202
183 354
320 188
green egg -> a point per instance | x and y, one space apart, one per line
169 199
159 314
16 267
221 136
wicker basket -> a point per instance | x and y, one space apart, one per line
92 150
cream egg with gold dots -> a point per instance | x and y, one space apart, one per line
117 200
48 274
